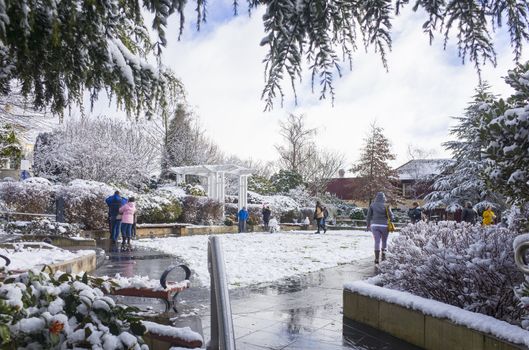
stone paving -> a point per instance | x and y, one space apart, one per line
296 313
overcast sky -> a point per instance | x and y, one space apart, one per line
221 67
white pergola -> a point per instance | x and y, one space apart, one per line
216 175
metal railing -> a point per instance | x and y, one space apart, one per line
222 332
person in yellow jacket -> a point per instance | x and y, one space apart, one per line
488 216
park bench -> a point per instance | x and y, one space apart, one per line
4 272
167 291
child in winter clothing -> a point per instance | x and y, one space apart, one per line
127 211
488 216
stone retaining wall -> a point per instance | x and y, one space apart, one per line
60 241
177 229
417 328
85 263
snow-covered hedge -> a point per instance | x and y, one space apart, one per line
160 206
34 195
84 203
41 311
42 227
467 266
201 210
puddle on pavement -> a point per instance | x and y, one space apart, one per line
193 304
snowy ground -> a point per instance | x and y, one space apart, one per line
24 258
265 257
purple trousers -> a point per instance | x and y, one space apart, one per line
380 233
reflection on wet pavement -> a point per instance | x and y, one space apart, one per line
303 312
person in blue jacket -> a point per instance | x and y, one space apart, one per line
243 216
114 202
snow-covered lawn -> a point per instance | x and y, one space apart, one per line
265 257
26 257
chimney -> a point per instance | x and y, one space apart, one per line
341 173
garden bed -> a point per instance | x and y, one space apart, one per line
428 323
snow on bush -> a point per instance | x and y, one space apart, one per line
84 203
34 195
160 206
201 210
42 227
38 311
466 266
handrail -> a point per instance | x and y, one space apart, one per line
222 333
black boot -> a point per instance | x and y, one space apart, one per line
377 253
128 241
383 257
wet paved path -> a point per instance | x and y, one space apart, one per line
296 313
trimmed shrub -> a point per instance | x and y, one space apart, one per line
210 212
42 227
252 220
84 203
34 195
357 214
201 211
160 214
290 216
467 266
190 210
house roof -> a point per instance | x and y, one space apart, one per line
419 169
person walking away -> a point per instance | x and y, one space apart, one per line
242 216
324 220
469 214
114 203
488 216
127 211
266 216
415 213
318 216
377 222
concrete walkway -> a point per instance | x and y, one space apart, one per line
297 313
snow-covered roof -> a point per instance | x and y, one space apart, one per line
205 170
421 168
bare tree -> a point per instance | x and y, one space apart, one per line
99 149
321 168
298 143
373 165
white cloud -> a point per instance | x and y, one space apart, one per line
223 72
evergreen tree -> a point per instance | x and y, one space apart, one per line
373 166
464 180
261 185
507 138
286 180
185 142
57 49
10 147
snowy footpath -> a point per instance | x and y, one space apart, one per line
266 257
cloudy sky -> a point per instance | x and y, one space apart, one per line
221 67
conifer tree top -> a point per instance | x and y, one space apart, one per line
59 49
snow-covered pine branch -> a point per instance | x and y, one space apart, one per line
464 179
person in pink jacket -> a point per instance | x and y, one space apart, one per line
127 221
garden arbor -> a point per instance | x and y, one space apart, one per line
216 179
